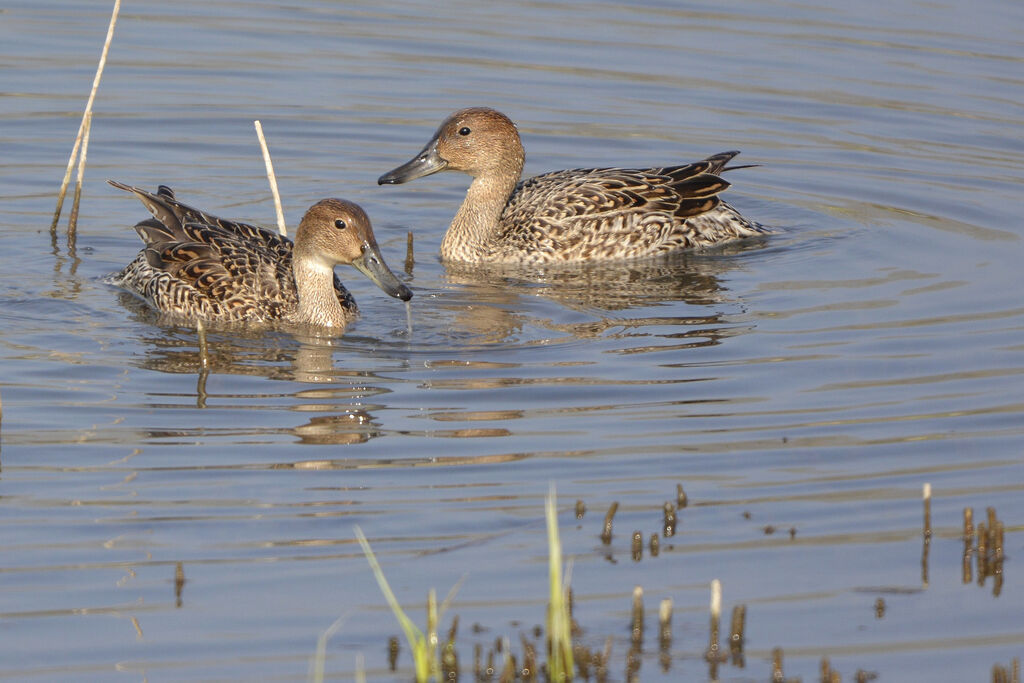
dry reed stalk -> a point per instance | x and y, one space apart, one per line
84 127
281 228
73 218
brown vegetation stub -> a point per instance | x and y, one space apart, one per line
449 657
637 616
926 533
637 546
828 674
681 500
737 628
528 673
777 675
410 262
393 649
179 583
669 526
606 532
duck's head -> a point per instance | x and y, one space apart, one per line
336 231
478 141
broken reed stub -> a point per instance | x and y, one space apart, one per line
528 672
777 675
966 569
393 649
179 582
637 615
637 546
665 621
714 652
606 532
581 509
737 627
926 494
410 262
655 545
680 497
449 657
633 662
670 521
828 674
665 634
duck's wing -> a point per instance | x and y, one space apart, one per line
612 208
240 276
683 190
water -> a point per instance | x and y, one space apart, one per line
813 381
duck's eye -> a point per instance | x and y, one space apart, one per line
340 224
464 130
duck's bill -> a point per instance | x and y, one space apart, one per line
426 162
371 264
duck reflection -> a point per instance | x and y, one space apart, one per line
233 350
279 356
615 286
605 290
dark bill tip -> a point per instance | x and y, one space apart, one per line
371 264
426 162
403 293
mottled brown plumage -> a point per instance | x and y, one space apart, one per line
198 266
573 215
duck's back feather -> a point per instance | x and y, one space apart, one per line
619 212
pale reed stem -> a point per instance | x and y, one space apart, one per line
272 178
83 127
73 218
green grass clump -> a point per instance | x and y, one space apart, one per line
426 662
424 646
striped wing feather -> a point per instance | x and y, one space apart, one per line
579 211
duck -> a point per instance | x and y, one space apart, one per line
197 266
571 216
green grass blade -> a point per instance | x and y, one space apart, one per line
426 666
560 661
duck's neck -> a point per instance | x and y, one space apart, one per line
477 219
318 302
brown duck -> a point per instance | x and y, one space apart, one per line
198 266
569 216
